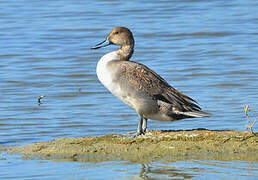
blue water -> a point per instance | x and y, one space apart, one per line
206 49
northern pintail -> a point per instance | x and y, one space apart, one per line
139 87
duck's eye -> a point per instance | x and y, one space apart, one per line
116 32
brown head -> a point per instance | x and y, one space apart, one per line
120 36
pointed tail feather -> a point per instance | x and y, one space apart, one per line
195 114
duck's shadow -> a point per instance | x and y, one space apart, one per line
196 129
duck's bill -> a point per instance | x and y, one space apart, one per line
102 44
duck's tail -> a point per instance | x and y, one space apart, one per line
195 114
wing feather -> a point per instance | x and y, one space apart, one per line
144 79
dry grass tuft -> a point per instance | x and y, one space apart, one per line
250 125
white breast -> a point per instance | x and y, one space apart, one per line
106 77
102 72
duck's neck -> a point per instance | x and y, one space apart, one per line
125 52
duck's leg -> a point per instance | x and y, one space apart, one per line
141 126
140 130
144 125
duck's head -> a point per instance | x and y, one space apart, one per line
120 36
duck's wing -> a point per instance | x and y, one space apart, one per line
144 79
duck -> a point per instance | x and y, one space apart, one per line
139 87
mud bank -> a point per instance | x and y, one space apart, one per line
155 145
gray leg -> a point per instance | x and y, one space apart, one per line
139 131
144 125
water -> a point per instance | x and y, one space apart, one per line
206 49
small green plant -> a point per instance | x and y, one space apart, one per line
250 125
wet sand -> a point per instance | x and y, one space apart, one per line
153 146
